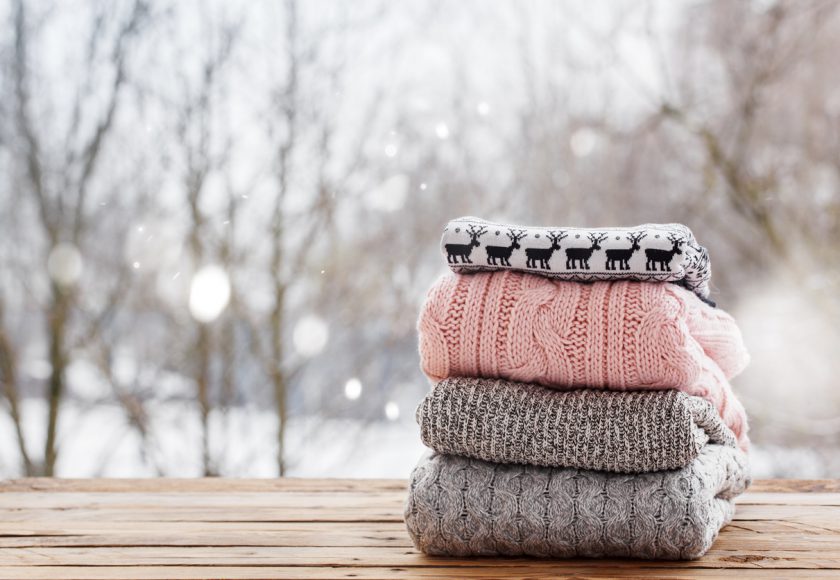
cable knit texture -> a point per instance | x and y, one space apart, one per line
467 507
627 432
619 335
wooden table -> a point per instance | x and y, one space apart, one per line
308 528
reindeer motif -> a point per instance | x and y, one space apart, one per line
663 257
582 255
503 253
464 250
543 255
623 256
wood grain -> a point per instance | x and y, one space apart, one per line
321 528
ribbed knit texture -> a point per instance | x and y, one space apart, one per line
468 507
628 432
616 335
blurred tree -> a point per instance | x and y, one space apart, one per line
290 164
58 175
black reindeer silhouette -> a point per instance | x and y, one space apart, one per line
582 255
623 256
543 255
464 250
503 253
663 257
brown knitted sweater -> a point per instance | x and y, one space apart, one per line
627 432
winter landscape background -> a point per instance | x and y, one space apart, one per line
219 219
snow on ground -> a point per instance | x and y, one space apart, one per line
98 442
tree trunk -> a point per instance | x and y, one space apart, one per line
56 330
278 376
8 375
288 110
203 382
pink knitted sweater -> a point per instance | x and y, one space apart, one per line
617 335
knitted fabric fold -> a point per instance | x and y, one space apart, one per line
628 432
648 253
468 507
616 335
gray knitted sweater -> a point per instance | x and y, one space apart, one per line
467 507
627 432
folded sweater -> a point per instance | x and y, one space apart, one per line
628 432
468 507
649 253
615 335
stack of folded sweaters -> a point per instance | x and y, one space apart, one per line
582 404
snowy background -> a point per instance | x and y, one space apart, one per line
219 219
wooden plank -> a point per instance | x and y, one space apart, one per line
348 529
167 500
15 501
748 516
207 514
790 498
728 543
796 485
757 535
813 517
826 516
755 542
548 571
298 499
781 526
219 534
381 556
201 485
213 485
351 535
